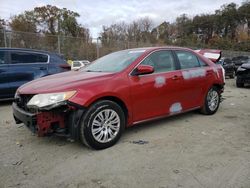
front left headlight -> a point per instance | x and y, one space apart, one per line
49 100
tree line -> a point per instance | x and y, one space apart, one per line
48 20
226 28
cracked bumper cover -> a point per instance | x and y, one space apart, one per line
45 122
40 123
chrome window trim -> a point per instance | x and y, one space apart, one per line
172 51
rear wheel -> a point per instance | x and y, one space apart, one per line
232 75
212 101
239 84
102 125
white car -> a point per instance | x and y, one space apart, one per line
78 64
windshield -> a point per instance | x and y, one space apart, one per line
114 62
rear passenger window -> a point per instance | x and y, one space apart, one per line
187 59
26 57
162 61
202 63
57 59
2 61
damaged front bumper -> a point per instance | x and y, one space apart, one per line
63 121
41 123
21 116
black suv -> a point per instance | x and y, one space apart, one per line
18 66
239 60
243 74
228 65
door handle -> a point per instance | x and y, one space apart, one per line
175 77
42 68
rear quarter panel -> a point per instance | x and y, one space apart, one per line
216 78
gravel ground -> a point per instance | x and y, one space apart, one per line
188 150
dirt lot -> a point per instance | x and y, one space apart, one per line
189 150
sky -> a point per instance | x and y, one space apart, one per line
96 13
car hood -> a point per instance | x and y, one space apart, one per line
240 62
246 65
228 65
63 82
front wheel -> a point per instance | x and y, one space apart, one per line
212 101
102 125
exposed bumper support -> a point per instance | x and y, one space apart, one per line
64 122
46 121
41 123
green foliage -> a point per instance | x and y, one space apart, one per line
24 22
221 43
2 23
224 30
47 26
227 28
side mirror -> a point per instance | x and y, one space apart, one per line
143 69
76 65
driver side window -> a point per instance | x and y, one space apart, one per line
2 61
162 61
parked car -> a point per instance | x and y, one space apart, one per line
228 65
243 74
19 66
119 90
239 60
77 64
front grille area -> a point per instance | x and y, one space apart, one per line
244 74
22 101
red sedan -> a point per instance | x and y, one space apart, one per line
119 90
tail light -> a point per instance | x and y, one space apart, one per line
213 55
65 66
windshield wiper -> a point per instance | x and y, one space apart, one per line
93 71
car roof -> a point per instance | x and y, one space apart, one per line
149 49
31 50
160 47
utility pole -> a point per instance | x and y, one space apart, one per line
5 38
97 48
58 37
59 44
10 35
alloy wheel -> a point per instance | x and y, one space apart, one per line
105 126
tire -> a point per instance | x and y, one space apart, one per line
102 125
232 75
211 101
239 84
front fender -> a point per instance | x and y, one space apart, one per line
88 97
